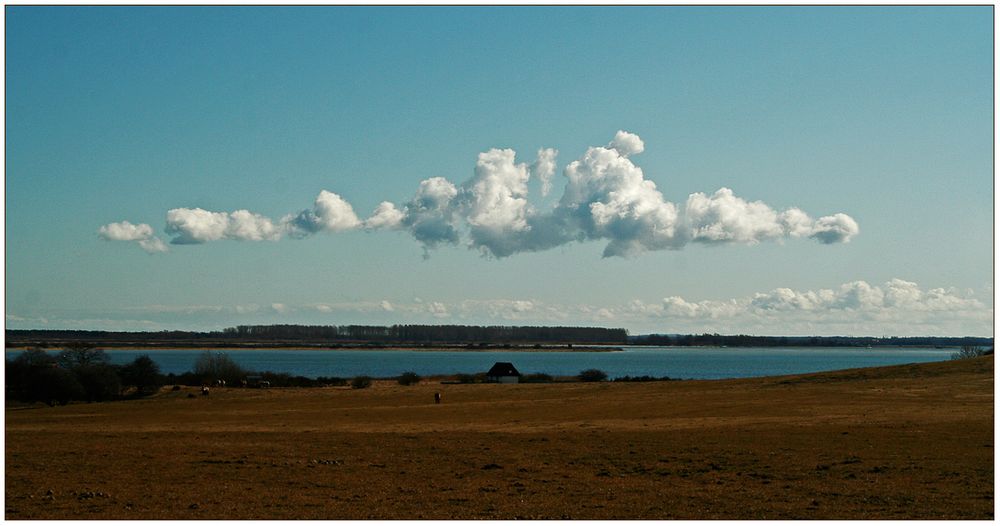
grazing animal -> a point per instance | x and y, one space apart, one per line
220 383
264 383
204 391
437 398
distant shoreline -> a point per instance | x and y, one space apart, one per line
333 348
553 348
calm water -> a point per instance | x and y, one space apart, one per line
675 362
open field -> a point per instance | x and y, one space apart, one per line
902 442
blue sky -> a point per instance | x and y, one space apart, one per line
881 114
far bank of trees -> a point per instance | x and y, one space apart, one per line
335 335
465 335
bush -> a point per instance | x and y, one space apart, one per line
408 378
100 382
361 382
968 351
477 378
80 372
536 378
644 378
54 385
143 374
210 367
21 371
592 375
331 380
77 355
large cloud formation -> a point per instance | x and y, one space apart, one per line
607 198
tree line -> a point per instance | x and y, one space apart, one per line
82 373
417 334
78 372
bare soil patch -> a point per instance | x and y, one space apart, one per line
901 442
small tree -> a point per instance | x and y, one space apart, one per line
536 378
592 375
54 385
143 373
34 357
100 382
408 378
361 382
968 351
218 366
77 355
21 372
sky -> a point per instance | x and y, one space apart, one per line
756 170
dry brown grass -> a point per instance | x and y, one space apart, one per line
894 443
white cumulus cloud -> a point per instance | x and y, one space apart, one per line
330 213
190 226
838 228
627 144
544 168
386 215
142 234
723 217
607 198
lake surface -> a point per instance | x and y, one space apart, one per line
675 362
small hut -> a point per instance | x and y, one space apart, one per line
503 373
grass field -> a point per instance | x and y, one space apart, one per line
901 442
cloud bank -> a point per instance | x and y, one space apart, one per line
896 307
607 198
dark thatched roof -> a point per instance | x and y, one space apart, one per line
503 369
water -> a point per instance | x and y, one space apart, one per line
675 362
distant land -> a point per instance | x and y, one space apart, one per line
453 337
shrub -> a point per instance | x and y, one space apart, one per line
20 372
100 382
536 378
54 385
408 378
77 355
477 378
276 379
644 378
592 375
968 351
80 372
218 366
361 382
143 374
331 380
